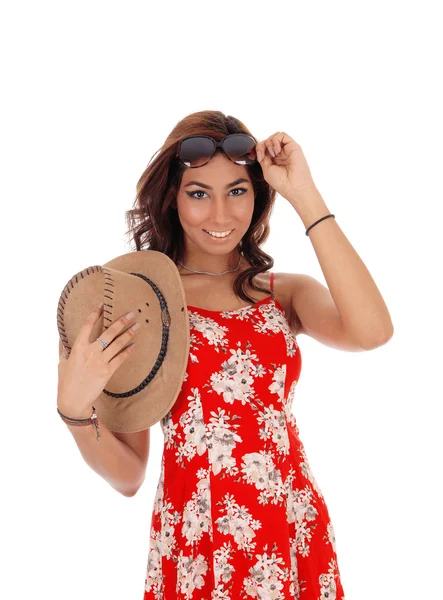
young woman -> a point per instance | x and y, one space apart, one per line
238 512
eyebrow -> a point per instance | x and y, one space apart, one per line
208 187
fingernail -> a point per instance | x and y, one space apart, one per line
129 315
259 155
100 305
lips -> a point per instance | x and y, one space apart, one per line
218 237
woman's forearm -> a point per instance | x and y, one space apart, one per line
111 458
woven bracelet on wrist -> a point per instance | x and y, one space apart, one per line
316 222
93 419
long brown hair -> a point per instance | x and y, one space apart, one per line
153 222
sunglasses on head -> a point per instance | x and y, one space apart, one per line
197 150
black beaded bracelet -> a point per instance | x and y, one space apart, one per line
314 224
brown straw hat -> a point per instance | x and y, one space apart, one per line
145 386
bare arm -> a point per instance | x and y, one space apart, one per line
121 465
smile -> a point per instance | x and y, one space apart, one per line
222 235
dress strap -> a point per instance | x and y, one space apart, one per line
272 284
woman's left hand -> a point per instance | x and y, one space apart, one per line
288 171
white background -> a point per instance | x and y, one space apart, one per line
90 92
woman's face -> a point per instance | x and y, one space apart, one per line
227 205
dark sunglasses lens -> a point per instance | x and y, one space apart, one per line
195 151
240 148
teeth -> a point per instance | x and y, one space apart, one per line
219 234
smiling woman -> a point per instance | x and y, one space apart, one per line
233 463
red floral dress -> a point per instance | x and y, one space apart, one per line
238 513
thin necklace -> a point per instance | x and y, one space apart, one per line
207 272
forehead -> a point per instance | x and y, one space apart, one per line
219 170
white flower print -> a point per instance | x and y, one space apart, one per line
330 535
197 513
259 470
234 381
222 439
190 574
300 510
278 385
274 426
328 589
223 570
267 576
212 332
193 430
237 522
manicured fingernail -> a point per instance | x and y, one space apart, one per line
259 155
101 305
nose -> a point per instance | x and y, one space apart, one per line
220 213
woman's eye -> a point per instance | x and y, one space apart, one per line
191 194
244 190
